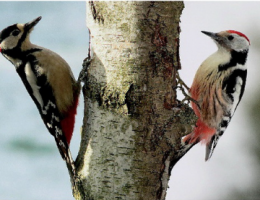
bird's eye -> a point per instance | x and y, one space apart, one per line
15 32
230 37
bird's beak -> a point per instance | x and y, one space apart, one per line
31 24
214 36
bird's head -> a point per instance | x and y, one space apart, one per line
16 35
230 40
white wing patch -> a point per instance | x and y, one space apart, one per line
236 94
31 78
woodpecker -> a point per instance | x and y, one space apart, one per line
218 87
48 80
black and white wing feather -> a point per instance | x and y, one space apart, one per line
41 92
233 88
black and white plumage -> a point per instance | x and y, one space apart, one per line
48 80
218 87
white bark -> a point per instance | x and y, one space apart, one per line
130 129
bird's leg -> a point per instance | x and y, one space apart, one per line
84 71
181 85
181 82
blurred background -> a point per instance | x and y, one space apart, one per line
233 172
31 168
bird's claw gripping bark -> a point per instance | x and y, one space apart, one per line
84 71
181 85
189 99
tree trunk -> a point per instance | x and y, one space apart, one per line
133 122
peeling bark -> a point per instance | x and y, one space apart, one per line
133 121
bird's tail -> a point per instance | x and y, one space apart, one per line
187 143
185 147
65 152
210 146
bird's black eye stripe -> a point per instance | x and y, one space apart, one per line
7 31
16 32
230 37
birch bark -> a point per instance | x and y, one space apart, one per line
132 126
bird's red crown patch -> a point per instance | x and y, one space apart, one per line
238 33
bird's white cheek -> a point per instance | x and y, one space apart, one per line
9 43
240 46
3 45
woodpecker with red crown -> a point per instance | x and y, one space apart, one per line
48 80
217 88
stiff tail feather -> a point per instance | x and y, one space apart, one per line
211 145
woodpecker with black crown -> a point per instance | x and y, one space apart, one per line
49 81
217 88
